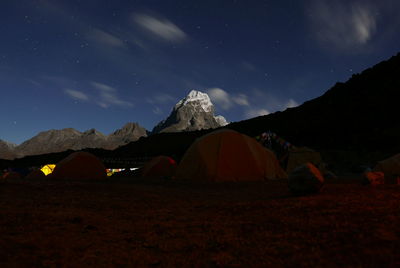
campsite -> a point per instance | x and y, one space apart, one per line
177 133
298 193
223 212
240 196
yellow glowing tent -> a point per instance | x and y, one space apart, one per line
48 169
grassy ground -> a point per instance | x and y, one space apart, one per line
124 222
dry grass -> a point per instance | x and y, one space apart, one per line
179 224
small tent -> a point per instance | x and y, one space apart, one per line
48 169
226 155
305 179
390 167
298 156
80 165
159 167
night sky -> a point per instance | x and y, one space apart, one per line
100 64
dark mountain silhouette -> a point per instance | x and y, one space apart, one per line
361 114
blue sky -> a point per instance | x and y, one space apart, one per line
101 64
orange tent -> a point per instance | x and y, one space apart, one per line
159 167
226 155
79 165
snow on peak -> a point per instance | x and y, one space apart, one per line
196 96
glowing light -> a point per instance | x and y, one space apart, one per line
48 169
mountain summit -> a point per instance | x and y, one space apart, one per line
194 112
129 132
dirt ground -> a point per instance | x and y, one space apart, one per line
139 223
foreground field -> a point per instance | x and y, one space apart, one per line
178 224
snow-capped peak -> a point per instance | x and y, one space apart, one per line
196 96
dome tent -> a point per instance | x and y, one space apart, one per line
159 167
80 165
305 179
227 155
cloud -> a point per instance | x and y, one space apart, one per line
79 95
157 111
112 99
343 25
160 99
103 87
241 100
104 38
220 97
223 99
103 105
108 96
248 66
263 102
256 112
33 82
260 102
162 28
291 103
58 80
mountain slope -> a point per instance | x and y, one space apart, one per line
128 133
52 141
7 150
361 114
194 112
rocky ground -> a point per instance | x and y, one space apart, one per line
134 223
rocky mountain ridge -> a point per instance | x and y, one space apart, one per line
53 141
